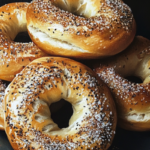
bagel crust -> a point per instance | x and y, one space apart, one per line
2 94
132 99
14 56
85 30
46 80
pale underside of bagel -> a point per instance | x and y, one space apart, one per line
135 120
44 37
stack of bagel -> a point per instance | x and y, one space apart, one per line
82 51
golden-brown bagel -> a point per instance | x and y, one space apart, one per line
13 55
132 99
46 80
81 29
2 94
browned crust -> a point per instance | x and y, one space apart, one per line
97 43
54 66
132 99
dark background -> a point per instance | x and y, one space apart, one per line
124 140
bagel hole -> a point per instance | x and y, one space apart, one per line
134 79
22 37
62 116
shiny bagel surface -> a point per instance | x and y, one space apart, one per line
47 80
132 99
82 30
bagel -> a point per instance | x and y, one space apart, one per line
132 98
14 56
80 29
46 80
2 94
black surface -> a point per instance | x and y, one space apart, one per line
124 140
62 117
